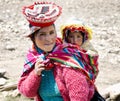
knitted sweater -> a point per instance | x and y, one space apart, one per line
48 89
71 83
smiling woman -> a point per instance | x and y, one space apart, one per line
45 38
52 70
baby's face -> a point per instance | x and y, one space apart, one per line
75 38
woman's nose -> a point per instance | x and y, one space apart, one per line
48 37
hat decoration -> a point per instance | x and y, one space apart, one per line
42 13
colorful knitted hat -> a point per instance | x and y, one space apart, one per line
41 14
76 25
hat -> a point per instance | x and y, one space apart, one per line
76 25
42 14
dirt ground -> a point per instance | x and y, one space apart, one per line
103 16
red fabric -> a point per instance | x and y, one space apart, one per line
41 24
42 14
72 85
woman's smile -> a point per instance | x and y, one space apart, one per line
45 39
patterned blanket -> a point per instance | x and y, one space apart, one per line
65 55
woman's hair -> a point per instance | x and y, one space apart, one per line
32 36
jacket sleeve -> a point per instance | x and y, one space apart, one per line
77 85
28 85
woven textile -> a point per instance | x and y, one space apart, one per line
68 55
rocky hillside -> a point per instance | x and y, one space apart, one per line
102 16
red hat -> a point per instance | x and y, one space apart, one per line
42 14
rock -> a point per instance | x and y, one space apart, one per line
10 86
1 20
10 47
12 93
2 81
112 92
15 93
2 72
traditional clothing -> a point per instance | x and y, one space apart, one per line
71 78
76 25
65 54
41 14
69 69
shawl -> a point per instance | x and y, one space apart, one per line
34 54
64 55
69 55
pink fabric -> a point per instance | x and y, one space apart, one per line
72 85
67 54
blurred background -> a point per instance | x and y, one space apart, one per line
103 16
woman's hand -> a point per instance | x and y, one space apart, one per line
39 67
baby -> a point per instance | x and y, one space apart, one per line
75 32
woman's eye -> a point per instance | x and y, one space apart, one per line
52 32
70 36
41 34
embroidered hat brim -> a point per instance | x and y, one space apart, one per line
42 14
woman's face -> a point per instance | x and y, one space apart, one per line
45 39
75 38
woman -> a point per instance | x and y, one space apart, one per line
45 77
